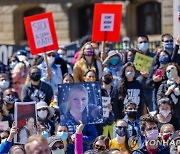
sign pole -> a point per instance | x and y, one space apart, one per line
103 46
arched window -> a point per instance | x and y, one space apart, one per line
85 20
19 14
149 18
81 18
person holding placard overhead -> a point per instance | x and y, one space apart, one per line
53 74
87 60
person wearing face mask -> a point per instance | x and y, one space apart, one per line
53 74
156 73
44 114
87 60
130 110
170 87
114 62
35 89
121 140
130 88
9 99
4 82
143 48
62 53
56 145
165 114
149 125
107 90
62 133
165 132
168 45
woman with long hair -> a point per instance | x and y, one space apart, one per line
87 60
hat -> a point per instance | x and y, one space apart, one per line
22 52
126 39
43 104
106 71
175 136
52 140
113 53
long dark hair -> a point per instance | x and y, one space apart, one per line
122 84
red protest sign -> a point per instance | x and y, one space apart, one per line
41 33
106 22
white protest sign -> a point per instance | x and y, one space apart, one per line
4 125
41 33
107 22
105 102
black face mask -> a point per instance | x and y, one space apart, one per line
121 131
132 114
35 76
107 80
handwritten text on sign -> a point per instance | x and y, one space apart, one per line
107 22
142 62
105 102
41 33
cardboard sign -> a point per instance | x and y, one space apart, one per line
142 62
25 115
106 22
105 102
80 101
41 33
4 125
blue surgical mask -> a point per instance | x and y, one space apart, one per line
114 60
169 76
143 46
13 64
63 57
45 134
164 59
63 135
168 46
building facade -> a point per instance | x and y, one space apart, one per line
73 18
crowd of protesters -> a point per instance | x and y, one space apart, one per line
144 112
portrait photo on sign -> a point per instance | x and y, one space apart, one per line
25 121
80 102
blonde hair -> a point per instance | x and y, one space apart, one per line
165 126
38 138
73 89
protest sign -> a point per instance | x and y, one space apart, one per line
25 120
80 101
41 33
142 62
106 22
105 102
4 125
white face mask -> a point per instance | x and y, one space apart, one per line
58 151
4 84
165 113
50 60
42 114
97 52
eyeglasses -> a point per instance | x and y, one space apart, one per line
168 41
143 42
100 147
51 55
60 147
